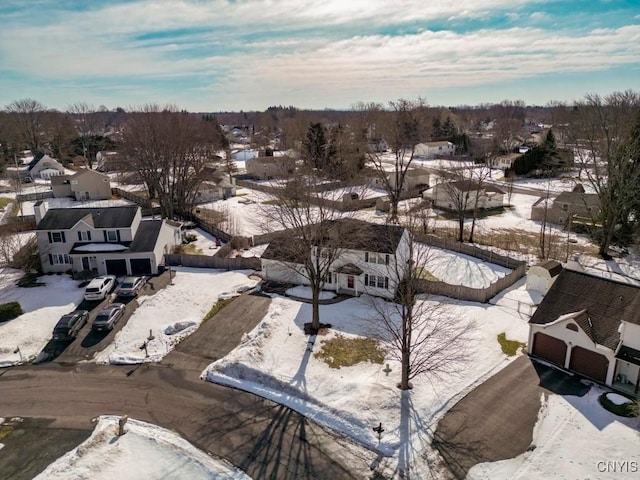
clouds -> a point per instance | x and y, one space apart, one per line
312 53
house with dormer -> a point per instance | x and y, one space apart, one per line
110 240
590 325
370 259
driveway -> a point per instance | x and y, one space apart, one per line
265 439
495 421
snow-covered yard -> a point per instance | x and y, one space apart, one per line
575 437
144 451
172 314
276 361
42 306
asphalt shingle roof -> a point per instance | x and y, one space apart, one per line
107 217
605 303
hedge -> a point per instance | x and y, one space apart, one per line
9 311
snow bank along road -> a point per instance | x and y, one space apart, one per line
265 439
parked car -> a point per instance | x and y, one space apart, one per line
130 286
70 324
99 287
108 317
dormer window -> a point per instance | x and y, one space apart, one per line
111 235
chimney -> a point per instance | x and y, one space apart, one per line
39 210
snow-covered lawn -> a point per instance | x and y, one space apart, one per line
43 307
575 437
305 292
274 360
458 269
144 451
172 314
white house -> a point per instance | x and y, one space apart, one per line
371 259
415 178
43 166
591 326
463 193
431 150
110 240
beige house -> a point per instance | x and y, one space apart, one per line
85 184
464 193
590 325
266 168
568 208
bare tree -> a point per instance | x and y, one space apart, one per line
425 337
27 116
314 234
479 174
170 150
88 122
603 134
509 119
403 127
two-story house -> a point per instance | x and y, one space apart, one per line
110 240
569 209
85 184
466 195
430 150
590 325
43 166
370 259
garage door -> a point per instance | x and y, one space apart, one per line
589 363
549 348
140 266
116 267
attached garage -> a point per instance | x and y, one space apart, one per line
549 348
116 267
589 363
140 266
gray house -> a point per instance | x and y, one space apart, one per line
567 209
111 240
85 184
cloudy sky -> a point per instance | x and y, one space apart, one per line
213 55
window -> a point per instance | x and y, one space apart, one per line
565 207
377 281
84 236
572 326
111 235
56 237
59 259
328 278
381 258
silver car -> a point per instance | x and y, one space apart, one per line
130 286
108 317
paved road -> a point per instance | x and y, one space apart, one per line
495 421
265 439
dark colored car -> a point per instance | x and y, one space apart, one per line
70 324
108 317
130 286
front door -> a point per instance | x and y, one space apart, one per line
85 263
350 282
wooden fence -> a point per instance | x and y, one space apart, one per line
26 197
204 261
461 292
143 202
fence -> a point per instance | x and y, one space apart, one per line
143 202
26 197
17 226
461 292
202 261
